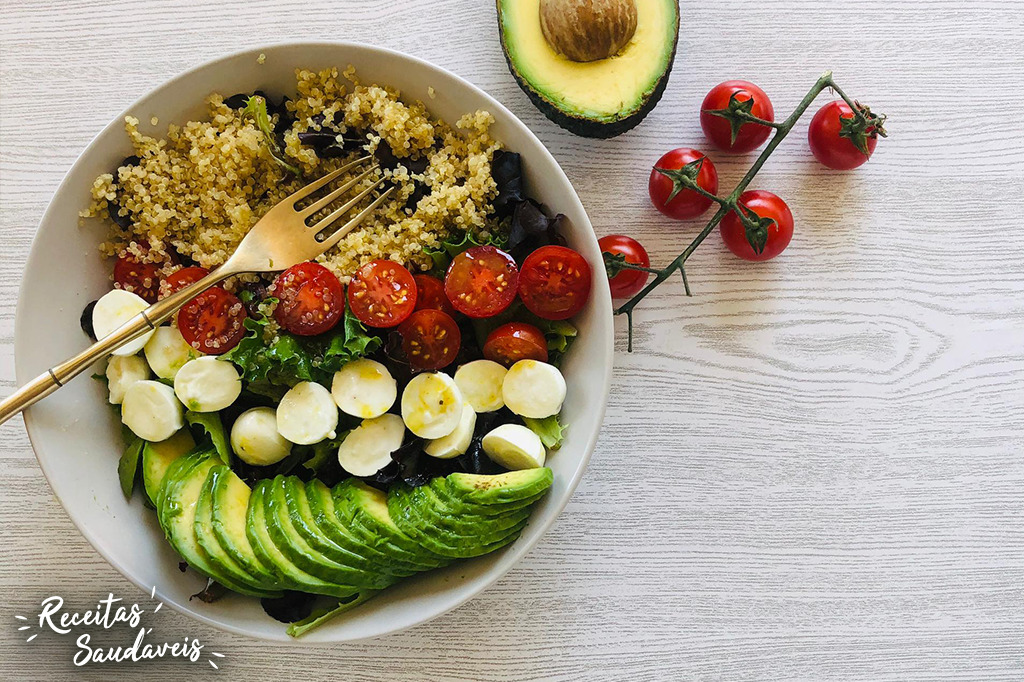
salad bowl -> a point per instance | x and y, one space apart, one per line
76 436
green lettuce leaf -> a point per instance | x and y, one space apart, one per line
210 423
128 465
324 614
549 429
446 250
256 107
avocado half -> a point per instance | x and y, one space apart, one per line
602 98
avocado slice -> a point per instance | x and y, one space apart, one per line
230 503
439 540
334 568
157 457
601 98
177 512
293 577
219 558
338 524
437 511
461 507
366 509
511 486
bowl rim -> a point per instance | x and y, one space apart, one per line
519 549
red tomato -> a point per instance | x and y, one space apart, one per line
139 278
481 281
179 279
430 295
669 195
628 282
212 321
555 282
720 131
832 145
382 294
430 339
515 341
765 205
310 298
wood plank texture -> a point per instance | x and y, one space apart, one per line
813 469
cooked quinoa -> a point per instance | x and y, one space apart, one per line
200 190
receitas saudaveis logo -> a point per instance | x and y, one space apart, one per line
112 615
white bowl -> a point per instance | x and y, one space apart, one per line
75 433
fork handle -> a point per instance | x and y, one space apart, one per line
150 318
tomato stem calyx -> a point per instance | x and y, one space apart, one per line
738 114
863 123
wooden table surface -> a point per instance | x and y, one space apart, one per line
812 469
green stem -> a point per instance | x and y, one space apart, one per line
728 203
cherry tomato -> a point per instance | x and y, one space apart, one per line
668 193
179 279
382 294
310 298
832 145
515 341
765 205
481 281
139 278
628 282
430 339
555 282
212 321
720 131
430 295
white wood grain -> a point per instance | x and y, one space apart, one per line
813 469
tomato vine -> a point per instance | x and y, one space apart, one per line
615 264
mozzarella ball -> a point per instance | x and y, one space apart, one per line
254 437
207 384
151 411
457 442
432 405
122 372
307 414
367 448
364 388
113 310
480 382
167 351
514 447
533 389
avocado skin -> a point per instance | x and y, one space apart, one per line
581 125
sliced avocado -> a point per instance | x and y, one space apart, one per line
219 558
337 523
436 510
177 517
440 540
459 505
263 546
157 457
367 510
336 568
600 98
510 486
230 504
177 469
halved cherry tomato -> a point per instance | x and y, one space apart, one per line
179 279
670 196
628 282
430 339
310 298
555 282
137 277
212 322
481 281
382 294
515 341
765 205
749 98
430 295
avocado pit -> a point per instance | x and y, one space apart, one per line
588 30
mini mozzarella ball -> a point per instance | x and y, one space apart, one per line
367 448
432 405
122 372
167 351
254 437
364 388
533 389
114 309
480 382
514 446
151 411
307 414
207 384
457 442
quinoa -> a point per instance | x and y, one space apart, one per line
198 191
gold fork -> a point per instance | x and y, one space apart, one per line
278 241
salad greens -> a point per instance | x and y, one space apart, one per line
256 106
549 429
211 429
128 465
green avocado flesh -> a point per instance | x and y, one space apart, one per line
601 98
350 541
